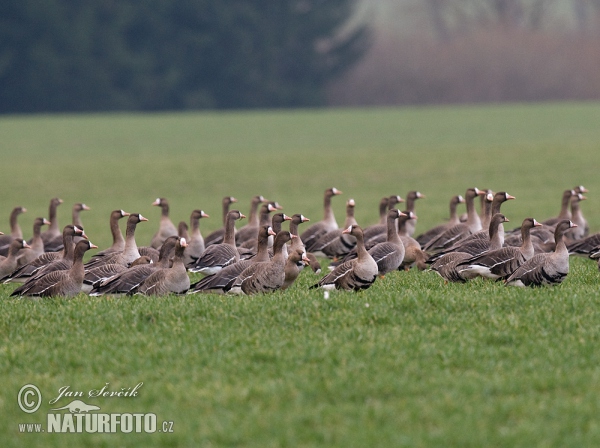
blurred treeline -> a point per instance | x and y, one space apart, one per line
81 55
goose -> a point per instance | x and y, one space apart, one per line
411 197
248 232
217 283
314 232
447 266
76 218
65 283
50 236
118 243
25 272
217 256
173 280
586 246
124 282
106 271
37 245
296 220
500 263
486 209
276 221
264 277
379 231
183 230
130 252
334 244
424 238
9 263
494 206
264 220
390 254
216 237
413 255
295 262
356 274
195 246
166 227
15 231
582 230
564 213
545 269
456 233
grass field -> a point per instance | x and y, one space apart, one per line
410 362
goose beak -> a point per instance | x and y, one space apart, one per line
420 195
286 217
400 200
156 202
84 236
93 246
85 207
292 236
573 225
582 197
26 246
351 202
204 215
1 233
143 219
183 242
413 216
305 260
461 200
583 189
506 219
124 213
271 232
304 219
508 197
232 199
336 191
490 197
348 230
23 210
242 216
536 224
60 201
46 222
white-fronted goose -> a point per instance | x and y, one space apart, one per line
311 235
264 220
182 230
265 276
586 246
248 231
582 230
356 274
50 236
9 263
501 263
446 266
413 255
424 238
486 209
76 217
295 262
173 280
335 244
456 233
379 231
65 283
106 271
195 246
411 197
494 206
117 236
216 237
15 231
166 227
390 254
545 269
27 271
564 213
297 219
217 256
37 245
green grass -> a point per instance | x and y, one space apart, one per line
424 364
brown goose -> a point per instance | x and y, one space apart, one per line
65 283
413 255
311 235
335 244
106 271
564 209
586 246
166 227
497 200
264 220
411 197
50 236
9 263
118 241
486 209
248 232
130 252
446 266
501 263
390 254
173 280
267 276
218 282
456 233
545 269
582 230
182 230
297 219
37 245
377 232
195 246
356 274
76 218
217 256
15 231
424 238
216 237
295 262
25 272
124 282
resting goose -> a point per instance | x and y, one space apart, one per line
390 254
216 237
295 262
379 231
9 263
52 236
166 227
106 271
37 245
411 197
311 235
15 231
546 269
195 246
267 276
65 283
446 266
501 263
356 274
586 246
217 256
424 238
248 232
173 280
335 244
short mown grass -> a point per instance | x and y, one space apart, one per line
409 362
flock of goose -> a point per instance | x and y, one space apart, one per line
260 257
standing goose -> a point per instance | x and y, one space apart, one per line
217 256
216 237
76 218
37 245
182 230
501 263
9 263
486 209
356 274
314 232
564 209
335 244
195 246
494 206
50 236
264 220
249 231
267 276
15 231
377 232
413 255
173 280
218 282
65 283
295 262
582 230
390 254
424 238
118 243
297 243
166 227
545 269
411 197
